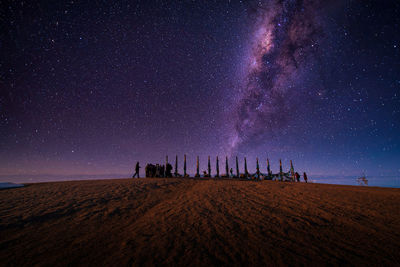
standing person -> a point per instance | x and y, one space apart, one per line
297 176
137 168
162 170
231 171
169 170
305 177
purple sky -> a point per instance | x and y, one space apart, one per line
90 88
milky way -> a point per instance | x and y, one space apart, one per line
285 39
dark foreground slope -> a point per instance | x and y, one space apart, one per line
194 222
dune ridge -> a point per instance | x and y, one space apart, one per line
198 222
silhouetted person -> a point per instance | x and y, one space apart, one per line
305 177
168 170
297 176
149 170
162 171
231 171
137 168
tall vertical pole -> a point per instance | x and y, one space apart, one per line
217 167
197 167
246 173
258 170
184 165
292 171
209 167
280 169
166 164
176 166
237 167
226 167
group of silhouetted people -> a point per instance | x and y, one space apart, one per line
152 170
157 170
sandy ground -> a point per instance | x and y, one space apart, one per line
198 222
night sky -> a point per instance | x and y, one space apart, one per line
91 87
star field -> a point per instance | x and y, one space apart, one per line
90 88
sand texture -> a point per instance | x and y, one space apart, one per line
198 222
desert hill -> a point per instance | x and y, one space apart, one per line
198 222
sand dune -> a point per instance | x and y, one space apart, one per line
198 222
